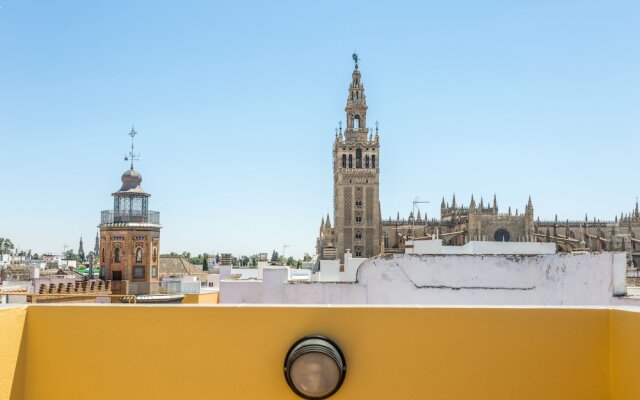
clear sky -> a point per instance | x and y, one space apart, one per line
236 104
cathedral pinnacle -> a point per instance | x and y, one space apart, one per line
81 250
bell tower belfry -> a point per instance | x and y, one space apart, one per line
356 171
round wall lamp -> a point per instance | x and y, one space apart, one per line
315 367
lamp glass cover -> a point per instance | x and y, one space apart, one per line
315 374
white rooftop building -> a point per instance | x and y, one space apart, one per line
479 273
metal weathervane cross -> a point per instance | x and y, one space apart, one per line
132 156
356 59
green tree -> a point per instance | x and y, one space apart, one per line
36 256
274 256
197 260
205 265
217 258
244 261
6 245
290 261
70 255
234 261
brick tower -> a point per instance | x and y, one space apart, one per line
130 237
356 172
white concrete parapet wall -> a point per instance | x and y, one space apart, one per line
351 266
330 271
547 279
478 248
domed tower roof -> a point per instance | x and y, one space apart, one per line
131 180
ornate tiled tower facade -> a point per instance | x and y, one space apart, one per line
356 171
130 239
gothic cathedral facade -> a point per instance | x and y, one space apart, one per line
358 225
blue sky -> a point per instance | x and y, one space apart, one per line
236 104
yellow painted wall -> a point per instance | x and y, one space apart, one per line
625 355
12 351
167 352
202 298
182 352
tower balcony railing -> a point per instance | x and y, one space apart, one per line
361 130
111 216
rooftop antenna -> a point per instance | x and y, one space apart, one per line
132 156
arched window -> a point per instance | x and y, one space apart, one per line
103 254
344 161
155 254
386 240
358 158
366 161
373 161
138 255
356 121
358 235
116 255
350 161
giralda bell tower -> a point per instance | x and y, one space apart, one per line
356 172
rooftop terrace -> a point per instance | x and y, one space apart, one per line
197 352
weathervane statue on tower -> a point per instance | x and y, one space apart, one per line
356 59
132 156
